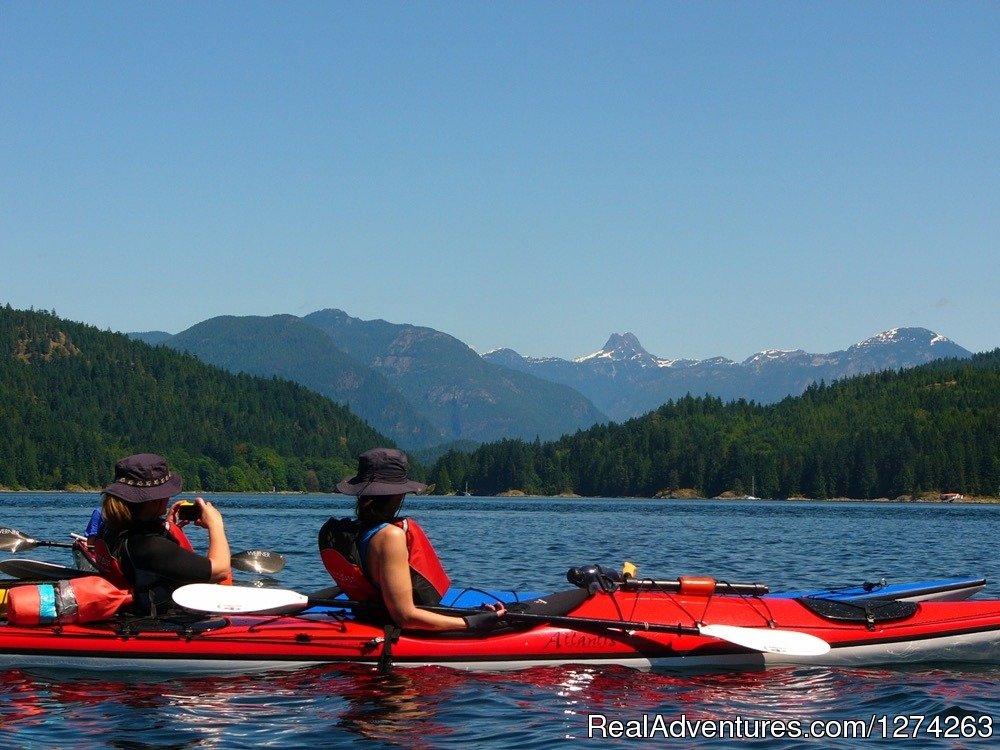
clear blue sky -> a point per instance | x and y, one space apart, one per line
717 178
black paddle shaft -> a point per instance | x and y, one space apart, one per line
590 622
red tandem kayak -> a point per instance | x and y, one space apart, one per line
641 628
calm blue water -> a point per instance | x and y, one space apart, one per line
530 544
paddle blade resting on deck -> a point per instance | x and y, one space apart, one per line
209 597
769 641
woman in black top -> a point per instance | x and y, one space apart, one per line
152 552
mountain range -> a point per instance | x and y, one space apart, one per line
424 388
624 380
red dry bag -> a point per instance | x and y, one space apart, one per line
77 600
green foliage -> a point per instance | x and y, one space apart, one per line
927 429
74 399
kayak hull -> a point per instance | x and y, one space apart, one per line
966 631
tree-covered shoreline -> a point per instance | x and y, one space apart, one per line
931 429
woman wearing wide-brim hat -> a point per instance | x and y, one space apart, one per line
143 543
381 557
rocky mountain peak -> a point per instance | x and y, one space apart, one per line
621 347
903 336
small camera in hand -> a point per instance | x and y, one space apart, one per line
189 512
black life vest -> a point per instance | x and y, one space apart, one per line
148 587
338 547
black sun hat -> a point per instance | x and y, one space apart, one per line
143 477
381 471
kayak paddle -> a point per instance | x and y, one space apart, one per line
250 561
208 597
260 561
12 540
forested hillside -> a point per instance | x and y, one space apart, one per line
74 399
932 428
286 347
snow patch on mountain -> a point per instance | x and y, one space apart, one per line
675 362
768 356
916 336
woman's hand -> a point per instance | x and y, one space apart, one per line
210 516
491 614
173 515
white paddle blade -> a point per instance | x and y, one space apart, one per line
231 600
788 642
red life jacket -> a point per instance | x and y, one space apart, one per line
338 544
105 560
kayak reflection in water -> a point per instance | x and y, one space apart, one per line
381 557
395 709
141 549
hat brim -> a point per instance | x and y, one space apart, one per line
355 486
131 494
